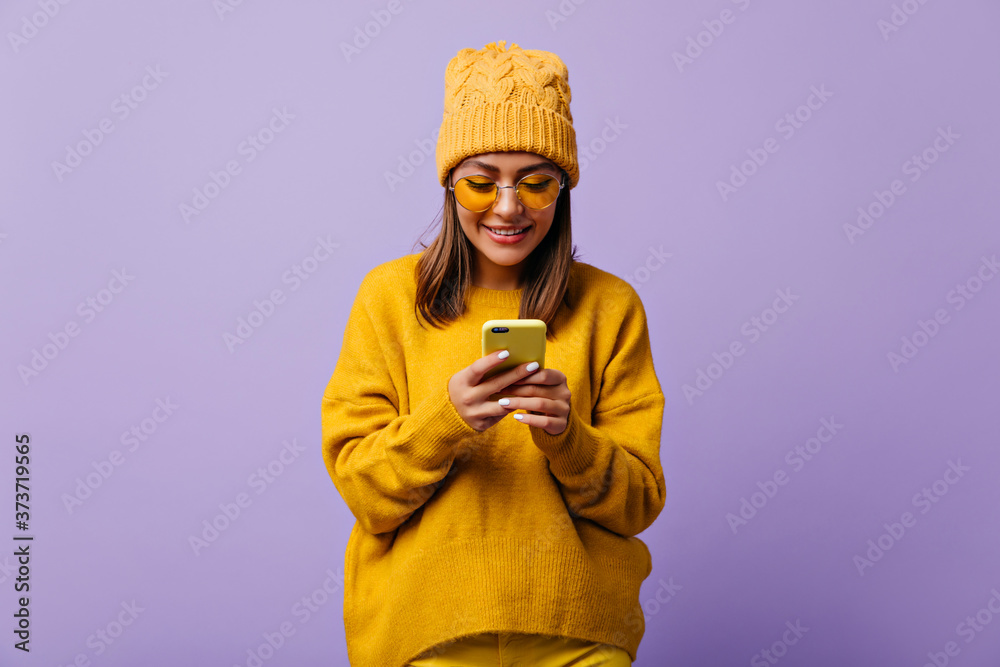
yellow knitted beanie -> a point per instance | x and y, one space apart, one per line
506 100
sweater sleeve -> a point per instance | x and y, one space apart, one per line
609 470
384 464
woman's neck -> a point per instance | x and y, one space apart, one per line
495 277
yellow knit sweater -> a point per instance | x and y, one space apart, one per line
510 529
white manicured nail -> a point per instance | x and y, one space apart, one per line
532 366
504 354
504 401
518 416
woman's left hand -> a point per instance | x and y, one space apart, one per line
545 396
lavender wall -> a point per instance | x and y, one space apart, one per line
809 184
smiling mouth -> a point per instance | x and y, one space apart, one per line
509 231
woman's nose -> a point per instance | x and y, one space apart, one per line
507 202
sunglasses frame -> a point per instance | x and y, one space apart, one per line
496 195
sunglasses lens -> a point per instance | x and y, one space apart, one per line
475 192
538 191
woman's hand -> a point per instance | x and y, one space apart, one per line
546 397
470 393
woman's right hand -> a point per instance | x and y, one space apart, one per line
470 393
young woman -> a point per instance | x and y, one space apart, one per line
496 531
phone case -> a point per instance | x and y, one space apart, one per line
524 339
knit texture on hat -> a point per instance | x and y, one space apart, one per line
506 99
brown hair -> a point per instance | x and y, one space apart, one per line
444 270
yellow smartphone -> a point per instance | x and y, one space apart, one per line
524 339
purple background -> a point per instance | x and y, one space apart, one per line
648 191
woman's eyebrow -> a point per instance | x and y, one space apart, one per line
493 168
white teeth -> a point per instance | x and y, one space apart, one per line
507 233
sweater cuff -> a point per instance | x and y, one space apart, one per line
571 452
440 428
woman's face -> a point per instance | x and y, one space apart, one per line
499 264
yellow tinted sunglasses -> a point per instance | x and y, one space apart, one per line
478 193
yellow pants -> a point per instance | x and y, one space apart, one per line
516 650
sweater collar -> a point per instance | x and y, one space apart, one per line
494 297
